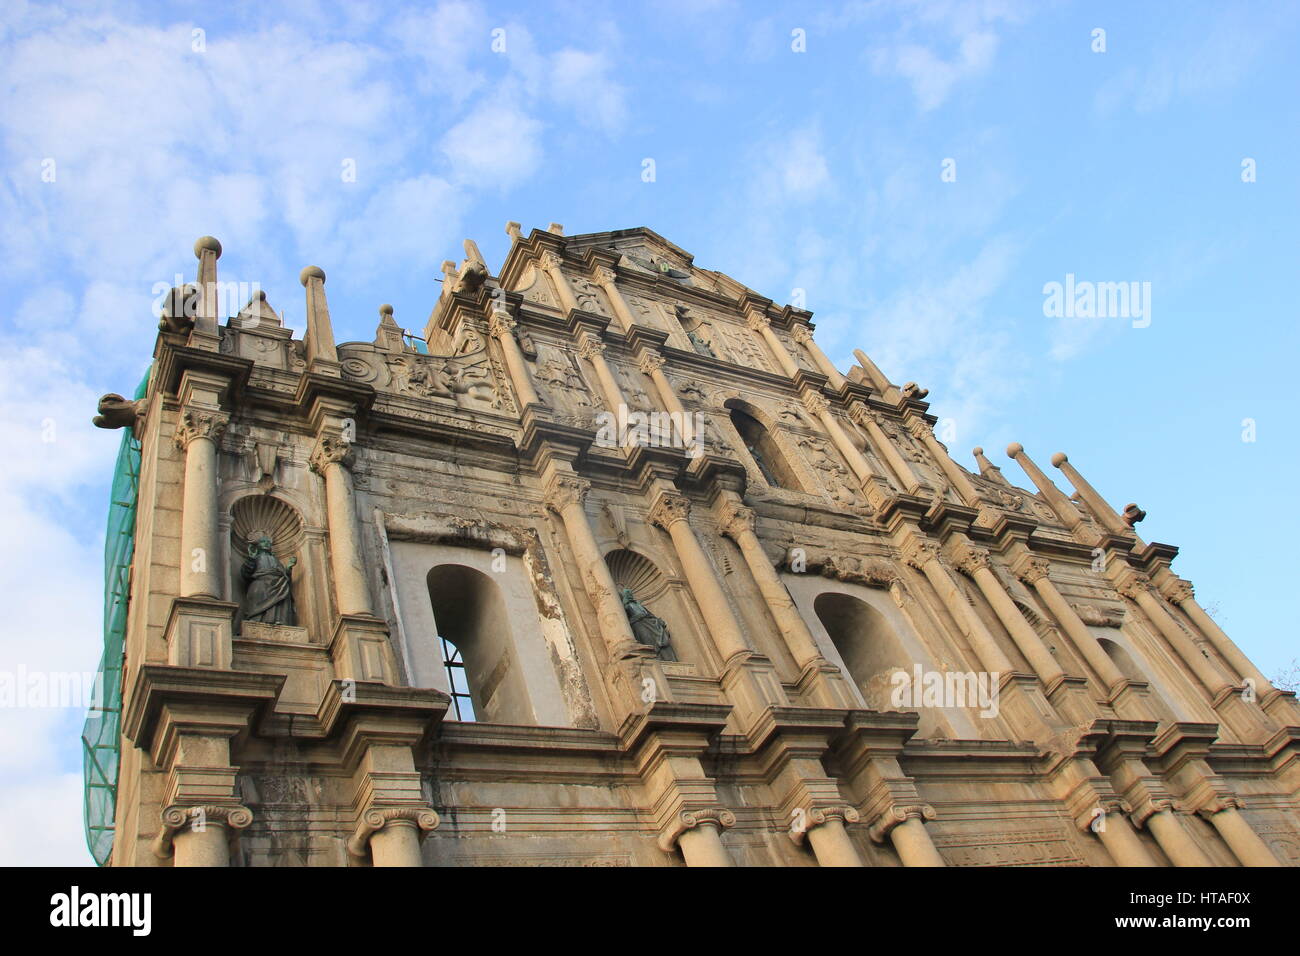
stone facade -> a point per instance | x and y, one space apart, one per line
877 658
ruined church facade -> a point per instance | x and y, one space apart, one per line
611 566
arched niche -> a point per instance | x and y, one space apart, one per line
1130 665
258 515
862 631
763 446
660 595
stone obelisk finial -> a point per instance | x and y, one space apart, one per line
1102 511
205 335
1060 504
319 337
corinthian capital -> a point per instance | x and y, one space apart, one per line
815 403
591 347
501 325
735 519
331 450
919 553
1033 570
1178 590
1134 586
756 321
650 362
200 423
566 490
668 509
550 260
968 558
801 334
604 276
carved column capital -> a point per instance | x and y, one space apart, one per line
668 509
502 324
1177 590
969 558
200 423
376 818
735 519
1217 804
331 450
590 347
603 275
815 403
1033 570
801 334
818 816
1148 807
650 362
1134 586
919 553
198 817
893 815
719 817
566 490
920 429
550 260
756 321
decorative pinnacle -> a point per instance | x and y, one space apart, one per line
977 450
204 243
1015 448
1059 459
385 309
311 272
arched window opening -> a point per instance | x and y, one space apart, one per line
864 643
479 658
462 702
767 455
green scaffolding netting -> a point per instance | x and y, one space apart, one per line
100 736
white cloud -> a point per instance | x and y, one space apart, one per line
499 145
582 81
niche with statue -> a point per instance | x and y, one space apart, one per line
266 539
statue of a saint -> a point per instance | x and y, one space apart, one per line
646 628
268 598
701 346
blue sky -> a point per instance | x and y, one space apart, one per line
816 170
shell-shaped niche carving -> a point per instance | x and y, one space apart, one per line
631 570
259 515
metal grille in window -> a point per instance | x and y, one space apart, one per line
456 679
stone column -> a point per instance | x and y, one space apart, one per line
502 327
830 841
698 834
956 477
897 464
197 434
565 495
551 264
1122 842
1244 842
1034 571
737 522
924 555
803 335
1178 845
201 835
393 835
606 278
593 350
819 406
651 363
206 333
906 831
671 512
887 390
760 324
1138 588
331 459
976 562
1180 592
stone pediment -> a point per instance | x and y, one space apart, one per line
472 379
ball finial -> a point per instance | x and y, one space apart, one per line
1015 448
1059 459
977 450
311 272
203 244
385 309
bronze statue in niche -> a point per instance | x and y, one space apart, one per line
268 596
646 628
